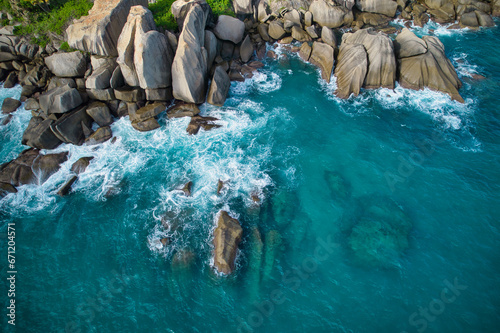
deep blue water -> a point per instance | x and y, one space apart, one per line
377 214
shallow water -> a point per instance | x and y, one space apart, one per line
323 168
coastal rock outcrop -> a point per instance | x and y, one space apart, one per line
181 8
329 14
419 69
243 7
230 29
227 237
189 68
385 7
98 32
72 64
322 56
219 87
144 54
351 69
31 167
381 61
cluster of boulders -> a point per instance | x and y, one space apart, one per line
125 66
122 64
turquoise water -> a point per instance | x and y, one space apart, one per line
326 172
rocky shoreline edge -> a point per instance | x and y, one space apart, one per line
123 65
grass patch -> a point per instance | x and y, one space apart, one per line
164 18
56 20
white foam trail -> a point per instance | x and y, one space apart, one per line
431 28
262 82
463 67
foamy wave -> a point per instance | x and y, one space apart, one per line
262 82
463 67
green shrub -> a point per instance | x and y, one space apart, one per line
162 14
56 20
164 18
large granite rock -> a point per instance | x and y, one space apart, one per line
70 127
351 69
322 56
227 237
329 14
276 30
144 55
189 68
10 105
219 87
31 167
243 7
98 32
328 37
229 28
60 100
246 49
431 69
72 64
381 60
181 8
39 135
102 71
100 113
385 7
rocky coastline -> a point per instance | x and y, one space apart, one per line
123 65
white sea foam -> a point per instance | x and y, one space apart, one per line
263 82
463 67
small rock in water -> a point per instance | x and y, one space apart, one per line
478 77
165 241
6 120
64 190
6 188
220 185
10 105
82 164
198 122
187 189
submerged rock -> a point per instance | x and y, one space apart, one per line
380 235
227 237
272 246
339 187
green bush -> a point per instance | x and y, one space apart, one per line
164 18
56 20
162 14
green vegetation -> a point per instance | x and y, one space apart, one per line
164 18
162 14
41 18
